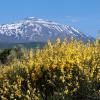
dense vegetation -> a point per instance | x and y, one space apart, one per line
59 71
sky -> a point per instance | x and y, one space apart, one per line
81 14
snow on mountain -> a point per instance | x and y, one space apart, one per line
38 30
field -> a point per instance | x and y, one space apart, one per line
58 71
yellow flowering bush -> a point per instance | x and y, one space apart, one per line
61 70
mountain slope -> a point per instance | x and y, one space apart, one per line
38 30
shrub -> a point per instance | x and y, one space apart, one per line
62 71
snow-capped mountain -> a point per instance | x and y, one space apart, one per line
38 30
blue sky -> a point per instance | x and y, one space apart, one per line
82 14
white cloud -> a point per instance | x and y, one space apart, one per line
75 20
72 19
68 16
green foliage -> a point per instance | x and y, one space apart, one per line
4 54
8 55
